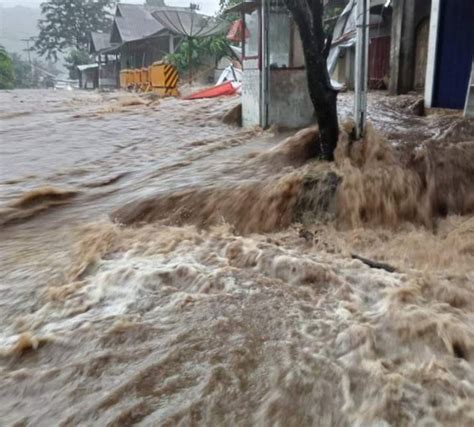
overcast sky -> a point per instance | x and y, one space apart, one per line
207 6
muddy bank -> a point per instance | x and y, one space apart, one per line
371 183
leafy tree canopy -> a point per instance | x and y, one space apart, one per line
31 75
201 49
22 71
195 52
225 4
66 24
75 58
7 76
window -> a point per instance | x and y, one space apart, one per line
279 39
252 36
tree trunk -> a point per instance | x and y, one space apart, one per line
308 15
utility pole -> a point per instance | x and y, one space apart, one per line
361 65
27 41
28 50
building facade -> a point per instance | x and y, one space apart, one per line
274 85
451 53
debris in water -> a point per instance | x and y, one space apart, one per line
225 292
375 264
34 202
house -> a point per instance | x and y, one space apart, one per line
341 61
141 37
409 45
395 52
136 40
421 45
89 76
107 59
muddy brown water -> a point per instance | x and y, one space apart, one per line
154 272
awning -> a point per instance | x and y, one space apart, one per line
87 67
244 7
237 31
112 49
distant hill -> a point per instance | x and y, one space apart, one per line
16 23
21 22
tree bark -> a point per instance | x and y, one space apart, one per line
308 15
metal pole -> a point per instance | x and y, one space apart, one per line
265 69
361 66
190 60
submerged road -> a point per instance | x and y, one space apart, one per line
210 307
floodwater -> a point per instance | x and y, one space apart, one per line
160 267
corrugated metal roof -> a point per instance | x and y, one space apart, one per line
188 22
133 22
136 22
100 42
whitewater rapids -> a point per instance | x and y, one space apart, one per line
159 267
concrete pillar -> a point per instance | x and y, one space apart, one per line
395 41
402 52
432 51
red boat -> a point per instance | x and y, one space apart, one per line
226 88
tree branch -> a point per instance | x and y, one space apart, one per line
300 11
375 264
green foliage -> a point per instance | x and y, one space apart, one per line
7 76
226 4
214 47
22 71
31 76
67 24
75 58
331 13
